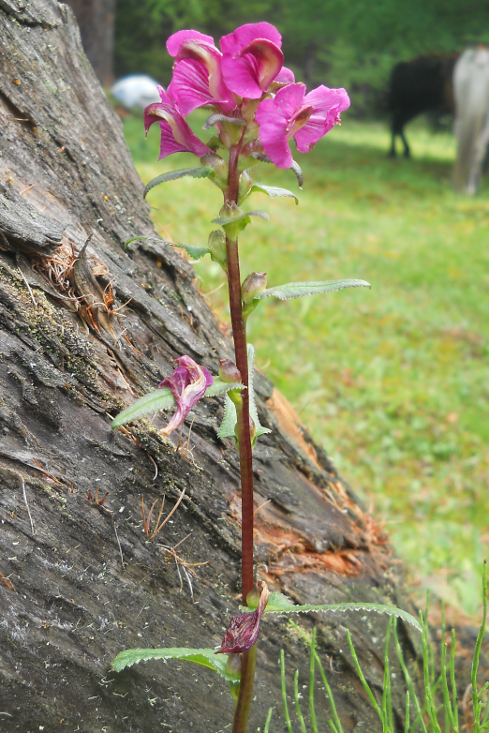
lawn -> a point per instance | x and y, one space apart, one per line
392 381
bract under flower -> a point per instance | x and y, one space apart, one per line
242 632
305 117
188 384
176 135
251 59
197 76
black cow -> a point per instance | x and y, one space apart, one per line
421 85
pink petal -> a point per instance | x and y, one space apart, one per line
188 384
250 73
273 133
190 86
246 34
177 39
289 99
324 99
285 76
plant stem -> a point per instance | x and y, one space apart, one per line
248 661
244 439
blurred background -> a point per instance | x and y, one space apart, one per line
393 382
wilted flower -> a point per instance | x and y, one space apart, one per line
229 372
197 76
188 384
251 59
176 135
242 632
305 117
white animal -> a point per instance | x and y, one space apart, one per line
136 90
471 95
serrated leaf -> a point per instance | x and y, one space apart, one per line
274 191
228 424
211 121
333 607
205 657
193 250
223 221
199 172
297 290
162 399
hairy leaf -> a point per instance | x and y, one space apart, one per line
223 221
297 290
274 192
162 399
206 657
199 172
281 604
228 424
298 173
210 121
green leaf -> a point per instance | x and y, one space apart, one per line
274 192
298 173
228 424
206 657
222 221
162 399
297 290
193 250
280 606
199 172
210 121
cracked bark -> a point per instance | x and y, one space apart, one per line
86 582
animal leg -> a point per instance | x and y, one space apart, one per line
407 152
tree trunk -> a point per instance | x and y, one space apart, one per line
96 20
80 580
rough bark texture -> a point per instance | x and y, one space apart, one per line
81 581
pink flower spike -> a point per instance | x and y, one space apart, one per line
176 135
252 59
188 384
242 632
305 117
197 77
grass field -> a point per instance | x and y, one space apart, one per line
393 382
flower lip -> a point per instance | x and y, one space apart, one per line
188 384
197 76
293 113
243 630
176 135
252 58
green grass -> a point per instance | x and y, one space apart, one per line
393 382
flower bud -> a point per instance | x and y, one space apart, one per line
245 184
219 174
252 286
217 247
229 372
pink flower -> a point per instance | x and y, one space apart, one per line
305 117
243 630
188 384
251 59
197 77
176 135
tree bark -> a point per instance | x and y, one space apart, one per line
80 581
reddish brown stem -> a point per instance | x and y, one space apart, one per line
244 439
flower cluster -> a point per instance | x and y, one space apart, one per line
256 101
